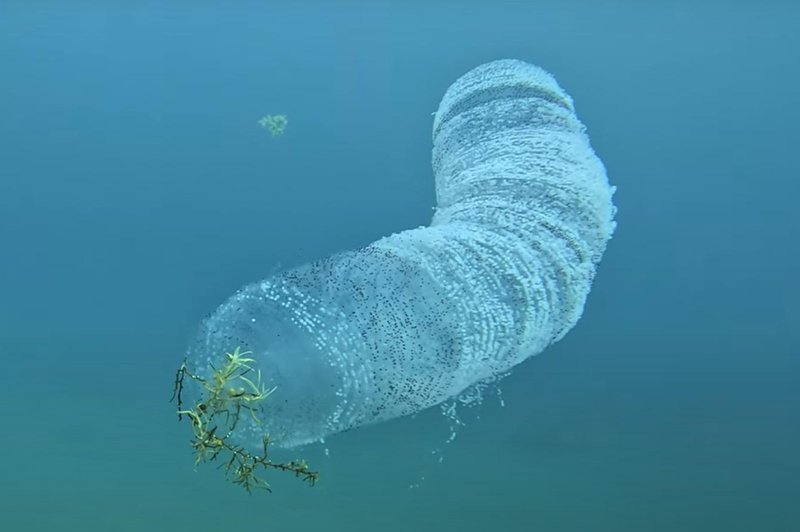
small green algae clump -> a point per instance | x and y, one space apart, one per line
275 124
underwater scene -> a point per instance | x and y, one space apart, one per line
399 266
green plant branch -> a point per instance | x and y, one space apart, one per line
215 416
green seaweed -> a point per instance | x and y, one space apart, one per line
225 396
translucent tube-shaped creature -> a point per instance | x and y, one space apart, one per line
524 212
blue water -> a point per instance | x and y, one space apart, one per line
137 191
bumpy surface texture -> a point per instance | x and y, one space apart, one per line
523 216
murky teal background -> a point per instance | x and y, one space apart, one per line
137 191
